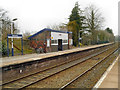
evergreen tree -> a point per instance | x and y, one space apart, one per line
112 37
75 23
109 30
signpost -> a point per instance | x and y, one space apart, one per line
14 36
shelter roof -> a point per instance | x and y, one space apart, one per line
46 29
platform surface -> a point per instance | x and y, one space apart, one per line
6 61
111 79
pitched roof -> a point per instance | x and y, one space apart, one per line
46 29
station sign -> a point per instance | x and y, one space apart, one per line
14 35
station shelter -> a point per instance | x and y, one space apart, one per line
48 40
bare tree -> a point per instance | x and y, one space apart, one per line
94 18
5 24
26 35
59 27
94 21
2 13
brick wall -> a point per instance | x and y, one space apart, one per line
40 41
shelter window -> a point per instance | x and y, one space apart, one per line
53 41
65 41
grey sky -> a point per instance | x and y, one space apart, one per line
34 15
119 18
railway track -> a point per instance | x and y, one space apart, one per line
75 83
29 80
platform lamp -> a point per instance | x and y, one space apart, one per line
12 33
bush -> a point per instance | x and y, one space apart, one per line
4 49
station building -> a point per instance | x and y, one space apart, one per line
50 40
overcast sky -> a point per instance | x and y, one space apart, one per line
34 15
119 18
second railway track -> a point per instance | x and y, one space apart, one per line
88 78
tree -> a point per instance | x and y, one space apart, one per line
112 37
5 28
73 26
4 21
94 21
5 24
86 39
59 27
75 23
102 37
109 30
26 35
4 49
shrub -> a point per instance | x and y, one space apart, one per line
4 49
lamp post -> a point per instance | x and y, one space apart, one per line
12 33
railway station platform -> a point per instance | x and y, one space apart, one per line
110 77
7 61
